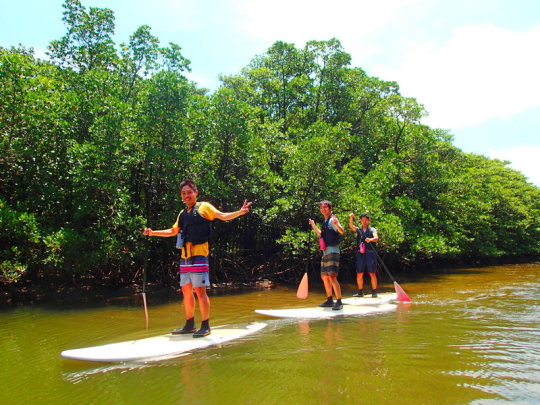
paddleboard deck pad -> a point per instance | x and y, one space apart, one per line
382 298
321 313
161 347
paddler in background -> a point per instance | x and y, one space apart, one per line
329 237
194 226
366 236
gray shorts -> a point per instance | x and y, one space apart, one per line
201 279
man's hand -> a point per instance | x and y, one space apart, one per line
147 231
245 207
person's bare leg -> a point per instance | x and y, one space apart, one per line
189 309
337 289
189 300
360 281
336 286
327 281
204 302
204 307
373 277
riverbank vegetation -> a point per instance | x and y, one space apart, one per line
96 139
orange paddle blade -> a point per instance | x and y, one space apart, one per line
401 295
302 291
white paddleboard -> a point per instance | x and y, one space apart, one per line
382 298
320 313
161 347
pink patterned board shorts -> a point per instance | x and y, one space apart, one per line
195 270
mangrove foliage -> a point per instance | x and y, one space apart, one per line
96 138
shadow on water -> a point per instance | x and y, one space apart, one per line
102 297
94 297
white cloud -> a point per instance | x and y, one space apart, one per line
481 72
522 158
298 21
41 53
201 79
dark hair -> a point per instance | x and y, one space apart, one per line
189 183
365 216
328 203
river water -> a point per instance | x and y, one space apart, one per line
471 336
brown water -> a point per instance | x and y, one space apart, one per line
471 336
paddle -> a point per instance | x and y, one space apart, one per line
144 298
401 294
148 210
302 291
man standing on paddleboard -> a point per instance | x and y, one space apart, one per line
366 236
194 226
329 237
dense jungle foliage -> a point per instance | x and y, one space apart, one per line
96 139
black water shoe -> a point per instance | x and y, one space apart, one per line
202 332
360 293
329 303
337 306
373 293
205 329
189 327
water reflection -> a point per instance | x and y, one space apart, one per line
194 375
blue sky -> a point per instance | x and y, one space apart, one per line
473 63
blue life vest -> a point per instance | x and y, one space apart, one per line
195 228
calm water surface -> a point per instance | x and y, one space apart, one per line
471 336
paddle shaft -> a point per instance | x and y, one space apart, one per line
145 268
144 288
